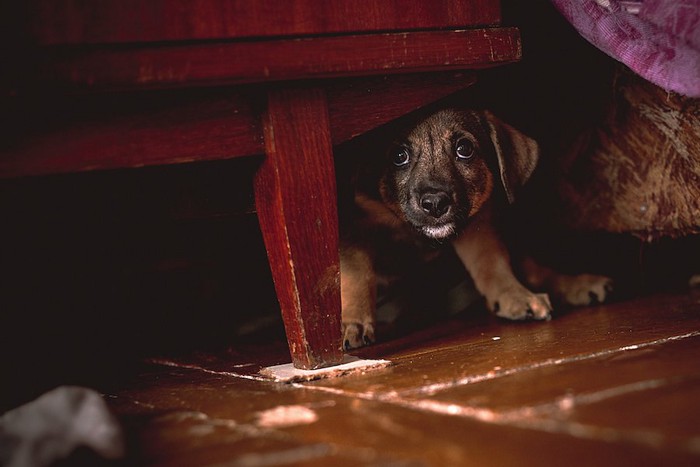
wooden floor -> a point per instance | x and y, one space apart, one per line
615 384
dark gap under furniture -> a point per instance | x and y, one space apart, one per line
98 83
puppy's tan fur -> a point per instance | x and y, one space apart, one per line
442 184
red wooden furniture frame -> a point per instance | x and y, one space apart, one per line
292 80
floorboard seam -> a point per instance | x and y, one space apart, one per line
517 419
189 366
432 389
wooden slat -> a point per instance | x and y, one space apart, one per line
284 59
359 105
216 128
129 21
296 202
206 130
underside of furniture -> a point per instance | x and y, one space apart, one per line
289 80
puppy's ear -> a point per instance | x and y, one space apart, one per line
517 154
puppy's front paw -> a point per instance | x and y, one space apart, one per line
357 334
584 289
519 303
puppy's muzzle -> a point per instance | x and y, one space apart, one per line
435 203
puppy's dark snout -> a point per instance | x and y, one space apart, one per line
435 204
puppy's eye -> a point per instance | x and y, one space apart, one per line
464 149
401 157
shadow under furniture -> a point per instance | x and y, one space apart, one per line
288 80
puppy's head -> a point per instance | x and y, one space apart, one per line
442 171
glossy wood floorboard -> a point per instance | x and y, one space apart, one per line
610 385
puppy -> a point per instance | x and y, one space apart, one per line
442 184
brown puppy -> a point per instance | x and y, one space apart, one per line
438 186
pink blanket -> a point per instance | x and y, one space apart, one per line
657 39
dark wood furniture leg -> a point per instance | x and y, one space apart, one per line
295 196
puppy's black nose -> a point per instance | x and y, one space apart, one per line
435 204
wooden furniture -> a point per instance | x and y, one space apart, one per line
286 79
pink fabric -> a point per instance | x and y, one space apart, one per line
657 39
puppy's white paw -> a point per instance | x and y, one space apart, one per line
584 289
519 303
357 334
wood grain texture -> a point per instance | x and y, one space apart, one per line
108 46
605 386
79 22
113 137
178 129
154 66
357 106
296 202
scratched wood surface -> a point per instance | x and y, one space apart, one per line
199 64
295 197
608 385
136 130
76 48
75 22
